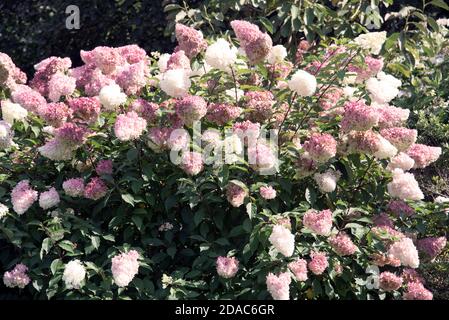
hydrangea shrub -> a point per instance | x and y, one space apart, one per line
221 170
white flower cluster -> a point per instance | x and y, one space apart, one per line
371 41
221 55
282 240
303 83
384 88
74 274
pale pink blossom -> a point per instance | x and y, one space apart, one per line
299 269
124 268
319 222
23 196
227 267
279 285
319 263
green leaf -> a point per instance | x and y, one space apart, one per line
55 265
440 3
267 24
128 199
138 222
131 155
95 241
66 245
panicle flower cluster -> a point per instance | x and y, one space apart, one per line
221 55
417 291
74 274
129 126
404 186
235 194
124 267
358 116
267 192
104 167
74 187
279 285
389 281
95 189
401 138
401 161
85 109
282 240
319 222
28 98
23 196
405 251
17 277
423 155
299 269
192 163
321 147
222 113
342 244
261 156
189 40
257 45
6 135
400 207
191 109
260 104
10 75
227 267
12 111
431 247
145 109
327 181
49 199
319 263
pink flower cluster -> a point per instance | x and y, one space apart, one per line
431 247
17 277
127 66
74 187
267 192
227 267
145 109
299 269
124 267
85 109
342 244
104 167
319 263
192 163
423 155
10 75
23 196
279 285
55 114
319 222
389 281
129 126
235 194
401 138
416 291
222 113
95 189
260 105
358 116
189 40
321 147
191 109
257 45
